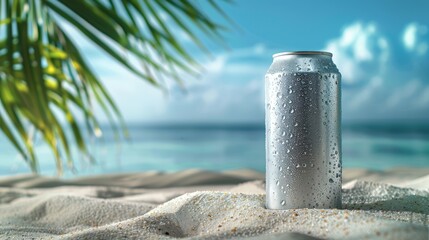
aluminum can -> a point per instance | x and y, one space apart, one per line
303 131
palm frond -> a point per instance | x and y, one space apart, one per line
45 81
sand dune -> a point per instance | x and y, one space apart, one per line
198 204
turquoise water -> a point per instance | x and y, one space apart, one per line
172 148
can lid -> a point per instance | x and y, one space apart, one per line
303 53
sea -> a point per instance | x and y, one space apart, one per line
219 147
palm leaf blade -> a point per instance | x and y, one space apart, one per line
44 77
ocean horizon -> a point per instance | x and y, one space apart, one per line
219 147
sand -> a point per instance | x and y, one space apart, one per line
197 204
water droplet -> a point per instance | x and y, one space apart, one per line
331 180
292 110
290 101
304 165
284 104
312 165
290 91
283 202
280 168
283 117
336 152
279 95
284 133
288 151
297 165
296 125
277 183
291 135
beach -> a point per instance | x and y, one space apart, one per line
198 204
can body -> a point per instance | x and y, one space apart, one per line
303 131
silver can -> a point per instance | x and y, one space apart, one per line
303 131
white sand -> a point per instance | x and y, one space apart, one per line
206 205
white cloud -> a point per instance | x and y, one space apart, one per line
359 45
414 38
231 89
409 37
216 65
372 86
361 53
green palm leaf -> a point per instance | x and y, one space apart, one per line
45 78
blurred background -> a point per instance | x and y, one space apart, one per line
217 122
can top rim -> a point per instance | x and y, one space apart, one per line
302 53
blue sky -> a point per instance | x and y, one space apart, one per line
380 47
